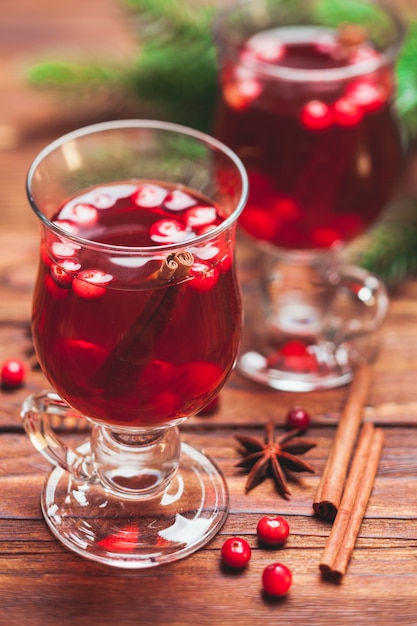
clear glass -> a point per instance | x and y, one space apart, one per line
306 100
134 338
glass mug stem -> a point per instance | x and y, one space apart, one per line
129 464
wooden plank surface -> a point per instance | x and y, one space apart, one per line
41 583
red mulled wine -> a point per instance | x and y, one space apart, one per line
322 151
124 336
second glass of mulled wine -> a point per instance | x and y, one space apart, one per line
307 101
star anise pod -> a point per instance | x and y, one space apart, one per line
274 457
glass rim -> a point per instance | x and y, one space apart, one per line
296 75
137 124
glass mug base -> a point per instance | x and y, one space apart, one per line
311 338
129 534
256 367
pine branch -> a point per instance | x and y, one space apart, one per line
406 71
390 249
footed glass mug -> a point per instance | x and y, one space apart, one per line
306 101
136 324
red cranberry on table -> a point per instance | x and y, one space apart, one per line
276 579
273 530
12 374
298 419
236 552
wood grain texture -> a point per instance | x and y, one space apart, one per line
41 583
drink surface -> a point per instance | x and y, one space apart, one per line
322 154
121 339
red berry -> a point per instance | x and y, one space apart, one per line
60 276
236 552
199 216
178 200
203 276
260 223
89 284
316 115
276 579
295 356
298 419
347 112
69 227
63 250
83 214
273 530
197 378
267 49
167 231
366 94
12 374
149 196
62 273
125 540
325 237
239 95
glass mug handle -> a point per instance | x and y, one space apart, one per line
360 306
36 413
134 465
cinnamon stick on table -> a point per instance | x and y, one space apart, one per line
329 492
345 529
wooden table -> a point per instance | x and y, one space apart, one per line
42 584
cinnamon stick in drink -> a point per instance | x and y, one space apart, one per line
329 492
123 364
345 529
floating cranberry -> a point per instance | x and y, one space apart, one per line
60 276
12 374
260 223
167 231
197 378
204 277
66 225
325 236
199 216
225 262
347 112
178 200
63 250
267 49
89 284
236 552
276 579
298 418
286 208
273 530
239 95
316 115
149 196
82 214
367 95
